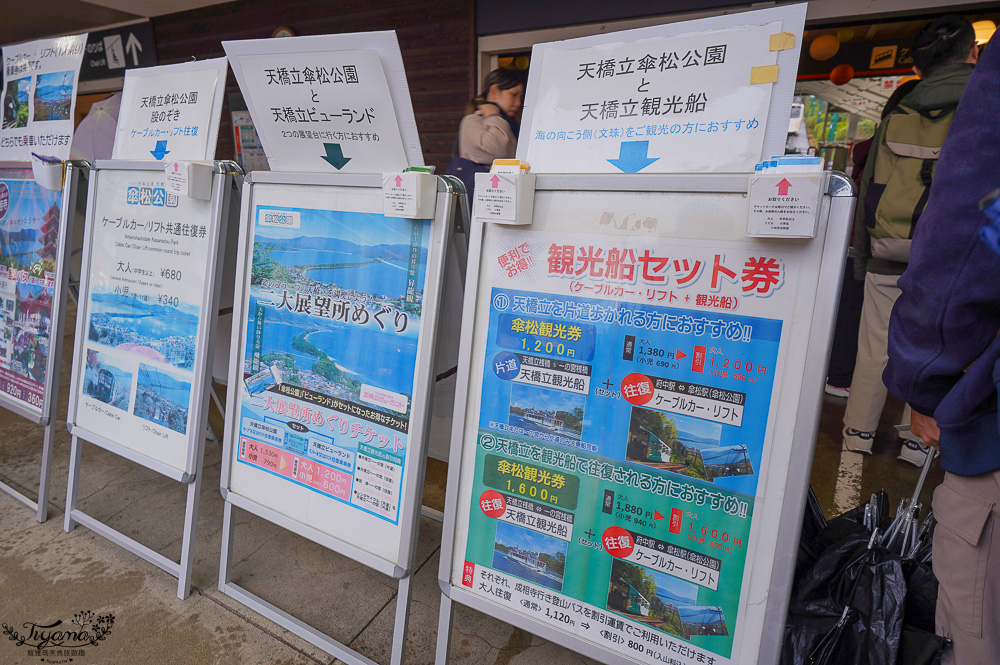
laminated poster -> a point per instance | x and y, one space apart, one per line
624 412
147 284
335 300
39 97
29 236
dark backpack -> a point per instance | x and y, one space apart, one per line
905 161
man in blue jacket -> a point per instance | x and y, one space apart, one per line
944 361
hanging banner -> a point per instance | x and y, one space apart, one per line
39 95
137 374
623 418
333 316
171 111
29 241
330 103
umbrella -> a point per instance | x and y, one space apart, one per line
864 593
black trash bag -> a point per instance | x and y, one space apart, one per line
921 595
848 605
813 524
918 647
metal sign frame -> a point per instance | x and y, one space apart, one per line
776 550
76 176
411 490
225 188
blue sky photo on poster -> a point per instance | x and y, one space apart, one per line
333 316
334 274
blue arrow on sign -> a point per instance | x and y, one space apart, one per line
335 156
161 150
632 157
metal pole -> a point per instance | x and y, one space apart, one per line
72 485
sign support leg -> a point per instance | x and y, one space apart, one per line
190 525
72 486
403 597
42 513
227 544
446 616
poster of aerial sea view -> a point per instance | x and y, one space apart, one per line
333 314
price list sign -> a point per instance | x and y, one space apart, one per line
144 307
627 387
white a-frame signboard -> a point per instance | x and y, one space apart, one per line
148 291
640 380
36 218
336 308
35 223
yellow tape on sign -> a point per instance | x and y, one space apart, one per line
782 41
765 74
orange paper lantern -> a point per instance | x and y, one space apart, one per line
841 74
824 47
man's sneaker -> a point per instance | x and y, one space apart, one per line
914 453
836 392
858 441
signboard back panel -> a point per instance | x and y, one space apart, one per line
171 111
710 95
329 103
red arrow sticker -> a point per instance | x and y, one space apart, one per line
617 541
783 187
637 388
492 503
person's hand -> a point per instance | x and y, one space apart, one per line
486 110
926 428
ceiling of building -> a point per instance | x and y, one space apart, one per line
866 95
24 21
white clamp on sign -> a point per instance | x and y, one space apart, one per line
49 172
785 198
505 195
411 194
191 179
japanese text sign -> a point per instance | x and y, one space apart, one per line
138 369
335 103
39 92
625 382
784 206
658 105
171 111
